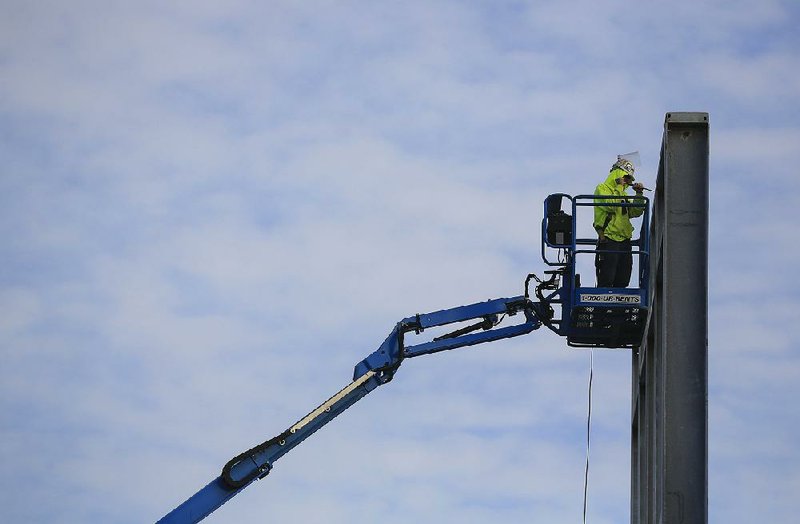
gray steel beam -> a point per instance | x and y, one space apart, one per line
669 439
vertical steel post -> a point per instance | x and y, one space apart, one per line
669 439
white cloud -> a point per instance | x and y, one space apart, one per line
212 212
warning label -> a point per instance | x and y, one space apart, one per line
611 299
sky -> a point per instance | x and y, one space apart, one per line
211 211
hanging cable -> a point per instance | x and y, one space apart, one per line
588 434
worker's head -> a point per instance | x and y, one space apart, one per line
627 166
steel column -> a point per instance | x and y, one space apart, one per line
669 439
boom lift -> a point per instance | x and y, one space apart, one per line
586 316
591 316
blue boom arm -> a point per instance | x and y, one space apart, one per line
375 370
589 317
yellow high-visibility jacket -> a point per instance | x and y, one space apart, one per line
615 221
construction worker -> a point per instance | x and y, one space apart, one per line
614 262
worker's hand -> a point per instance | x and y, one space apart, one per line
638 187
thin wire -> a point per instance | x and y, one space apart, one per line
588 434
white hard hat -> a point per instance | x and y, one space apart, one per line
627 162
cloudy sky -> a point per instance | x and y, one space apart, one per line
211 211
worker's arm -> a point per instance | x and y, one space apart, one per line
604 190
603 214
637 211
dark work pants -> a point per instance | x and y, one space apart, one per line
613 269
